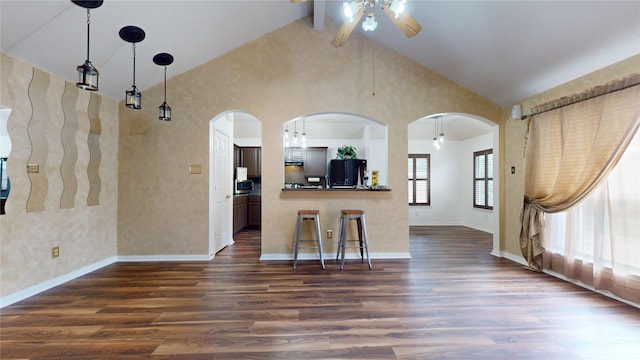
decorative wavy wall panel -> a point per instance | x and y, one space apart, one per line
86 234
68 137
38 136
95 155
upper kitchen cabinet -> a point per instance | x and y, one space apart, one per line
251 159
237 159
293 155
315 163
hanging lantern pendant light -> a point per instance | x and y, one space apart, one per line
165 109
133 96
87 73
164 59
133 35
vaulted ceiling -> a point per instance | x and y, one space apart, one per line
503 50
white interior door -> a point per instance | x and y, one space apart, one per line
222 193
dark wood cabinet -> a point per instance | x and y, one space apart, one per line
251 159
237 159
254 210
247 211
240 212
315 163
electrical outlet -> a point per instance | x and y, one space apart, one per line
55 252
329 234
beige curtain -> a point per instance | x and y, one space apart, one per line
569 151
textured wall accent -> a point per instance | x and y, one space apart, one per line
37 135
93 140
86 234
68 137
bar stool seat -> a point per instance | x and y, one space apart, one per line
346 216
302 216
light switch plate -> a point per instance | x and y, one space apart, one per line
33 168
195 169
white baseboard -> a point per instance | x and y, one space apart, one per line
590 287
515 258
520 260
46 285
151 258
480 228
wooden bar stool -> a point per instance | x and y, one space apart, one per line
302 216
363 243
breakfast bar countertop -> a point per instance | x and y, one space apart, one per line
336 188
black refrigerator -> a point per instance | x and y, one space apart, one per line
347 172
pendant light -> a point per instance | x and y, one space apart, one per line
304 135
164 59
87 73
286 135
295 133
436 143
133 35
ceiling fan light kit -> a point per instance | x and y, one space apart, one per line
370 23
394 9
350 9
397 7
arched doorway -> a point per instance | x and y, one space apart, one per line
225 130
451 169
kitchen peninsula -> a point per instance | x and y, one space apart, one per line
336 189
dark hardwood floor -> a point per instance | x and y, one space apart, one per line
453 300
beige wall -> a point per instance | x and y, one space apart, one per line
164 210
514 140
86 234
291 72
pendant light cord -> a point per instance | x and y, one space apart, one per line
134 64
88 30
165 84
373 75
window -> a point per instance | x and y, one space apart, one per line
603 229
419 179
483 179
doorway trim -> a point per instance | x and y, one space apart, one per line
223 123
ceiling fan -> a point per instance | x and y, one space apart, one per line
355 9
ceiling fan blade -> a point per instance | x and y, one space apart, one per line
405 22
346 29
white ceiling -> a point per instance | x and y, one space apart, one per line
503 50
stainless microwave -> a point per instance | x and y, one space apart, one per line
244 187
